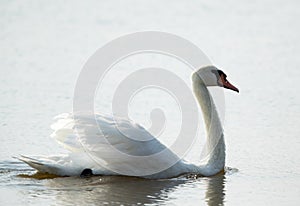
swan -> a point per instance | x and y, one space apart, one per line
110 151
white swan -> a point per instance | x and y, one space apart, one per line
111 152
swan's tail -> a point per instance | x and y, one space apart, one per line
40 165
72 164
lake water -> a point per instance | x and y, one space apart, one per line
44 46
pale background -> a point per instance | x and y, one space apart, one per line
45 44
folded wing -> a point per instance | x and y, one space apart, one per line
118 145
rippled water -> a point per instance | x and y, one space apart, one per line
44 45
106 189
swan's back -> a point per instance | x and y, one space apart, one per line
116 145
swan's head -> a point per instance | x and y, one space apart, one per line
212 76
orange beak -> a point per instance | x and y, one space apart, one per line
228 85
223 82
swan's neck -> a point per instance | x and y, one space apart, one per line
213 156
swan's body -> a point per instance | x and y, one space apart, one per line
111 152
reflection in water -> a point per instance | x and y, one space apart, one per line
116 190
112 190
215 193
128 190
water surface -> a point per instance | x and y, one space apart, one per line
44 46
